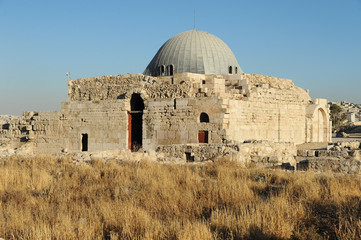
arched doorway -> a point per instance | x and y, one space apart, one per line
203 135
135 122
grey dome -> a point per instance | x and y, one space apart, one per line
196 52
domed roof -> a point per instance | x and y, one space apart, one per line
196 52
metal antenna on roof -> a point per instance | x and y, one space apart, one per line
68 74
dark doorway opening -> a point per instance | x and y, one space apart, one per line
135 121
136 103
203 136
84 142
189 157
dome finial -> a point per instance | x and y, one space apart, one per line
194 26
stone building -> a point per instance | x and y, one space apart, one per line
193 91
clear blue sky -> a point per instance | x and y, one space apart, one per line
316 43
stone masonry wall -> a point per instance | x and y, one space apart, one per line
263 153
251 86
267 108
105 122
242 107
265 121
273 90
177 121
115 87
15 131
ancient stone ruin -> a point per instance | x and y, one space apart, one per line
193 97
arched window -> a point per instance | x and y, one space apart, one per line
204 117
235 70
171 68
230 70
162 70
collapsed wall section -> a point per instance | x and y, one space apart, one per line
14 130
273 110
116 87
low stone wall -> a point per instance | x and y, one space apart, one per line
347 154
342 150
335 165
280 83
352 145
264 153
341 157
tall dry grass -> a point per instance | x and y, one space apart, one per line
48 198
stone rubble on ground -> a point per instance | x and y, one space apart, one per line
341 157
342 134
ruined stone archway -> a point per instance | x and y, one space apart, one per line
318 126
321 125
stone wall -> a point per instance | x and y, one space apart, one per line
351 145
105 122
272 82
341 157
116 87
263 153
265 121
267 108
342 154
239 108
14 131
177 121
183 85
334 165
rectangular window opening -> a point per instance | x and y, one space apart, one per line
84 142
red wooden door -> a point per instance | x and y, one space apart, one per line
203 136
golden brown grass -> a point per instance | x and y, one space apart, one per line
48 198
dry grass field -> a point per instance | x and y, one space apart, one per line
48 198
